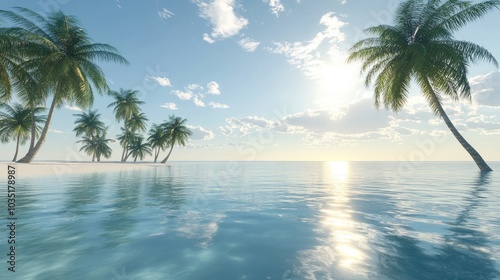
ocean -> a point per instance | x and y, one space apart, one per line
258 220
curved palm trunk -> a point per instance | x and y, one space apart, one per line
33 129
32 152
472 152
165 159
17 148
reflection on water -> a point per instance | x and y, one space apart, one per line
308 220
464 254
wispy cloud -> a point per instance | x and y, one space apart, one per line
162 81
306 55
56 131
170 106
248 44
73 108
276 6
198 102
217 105
165 14
221 15
183 95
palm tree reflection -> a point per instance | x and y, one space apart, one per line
465 253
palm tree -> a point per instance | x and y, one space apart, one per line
158 140
15 124
89 125
177 132
126 105
138 148
421 46
63 62
97 145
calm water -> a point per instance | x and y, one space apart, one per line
260 220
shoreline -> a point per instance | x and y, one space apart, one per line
59 168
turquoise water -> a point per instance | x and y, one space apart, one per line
260 220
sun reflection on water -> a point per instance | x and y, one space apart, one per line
338 219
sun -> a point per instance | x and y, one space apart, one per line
337 84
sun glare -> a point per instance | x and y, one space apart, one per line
337 85
339 170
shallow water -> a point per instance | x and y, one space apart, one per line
260 220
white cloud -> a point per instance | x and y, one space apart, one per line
276 6
73 108
198 102
213 88
217 105
183 95
248 44
170 106
199 133
486 89
165 14
306 55
194 87
162 81
56 131
221 15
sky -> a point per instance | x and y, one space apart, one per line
268 80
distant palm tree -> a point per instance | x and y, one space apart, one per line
177 131
138 148
421 46
158 140
97 146
89 125
63 61
126 105
15 123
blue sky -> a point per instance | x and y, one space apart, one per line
267 80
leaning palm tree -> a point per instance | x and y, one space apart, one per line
97 146
420 46
15 123
177 131
158 140
126 105
63 61
138 148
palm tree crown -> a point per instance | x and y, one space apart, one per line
138 148
62 60
15 123
88 124
177 131
420 46
158 140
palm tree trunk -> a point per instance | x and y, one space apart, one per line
32 152
93 157
157 153
472 152
135 159
124 151
33 129
17 148
165 159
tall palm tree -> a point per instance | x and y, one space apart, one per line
15 123
420 46
158 140
126 104
177 131
97 146
63 61
138 148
